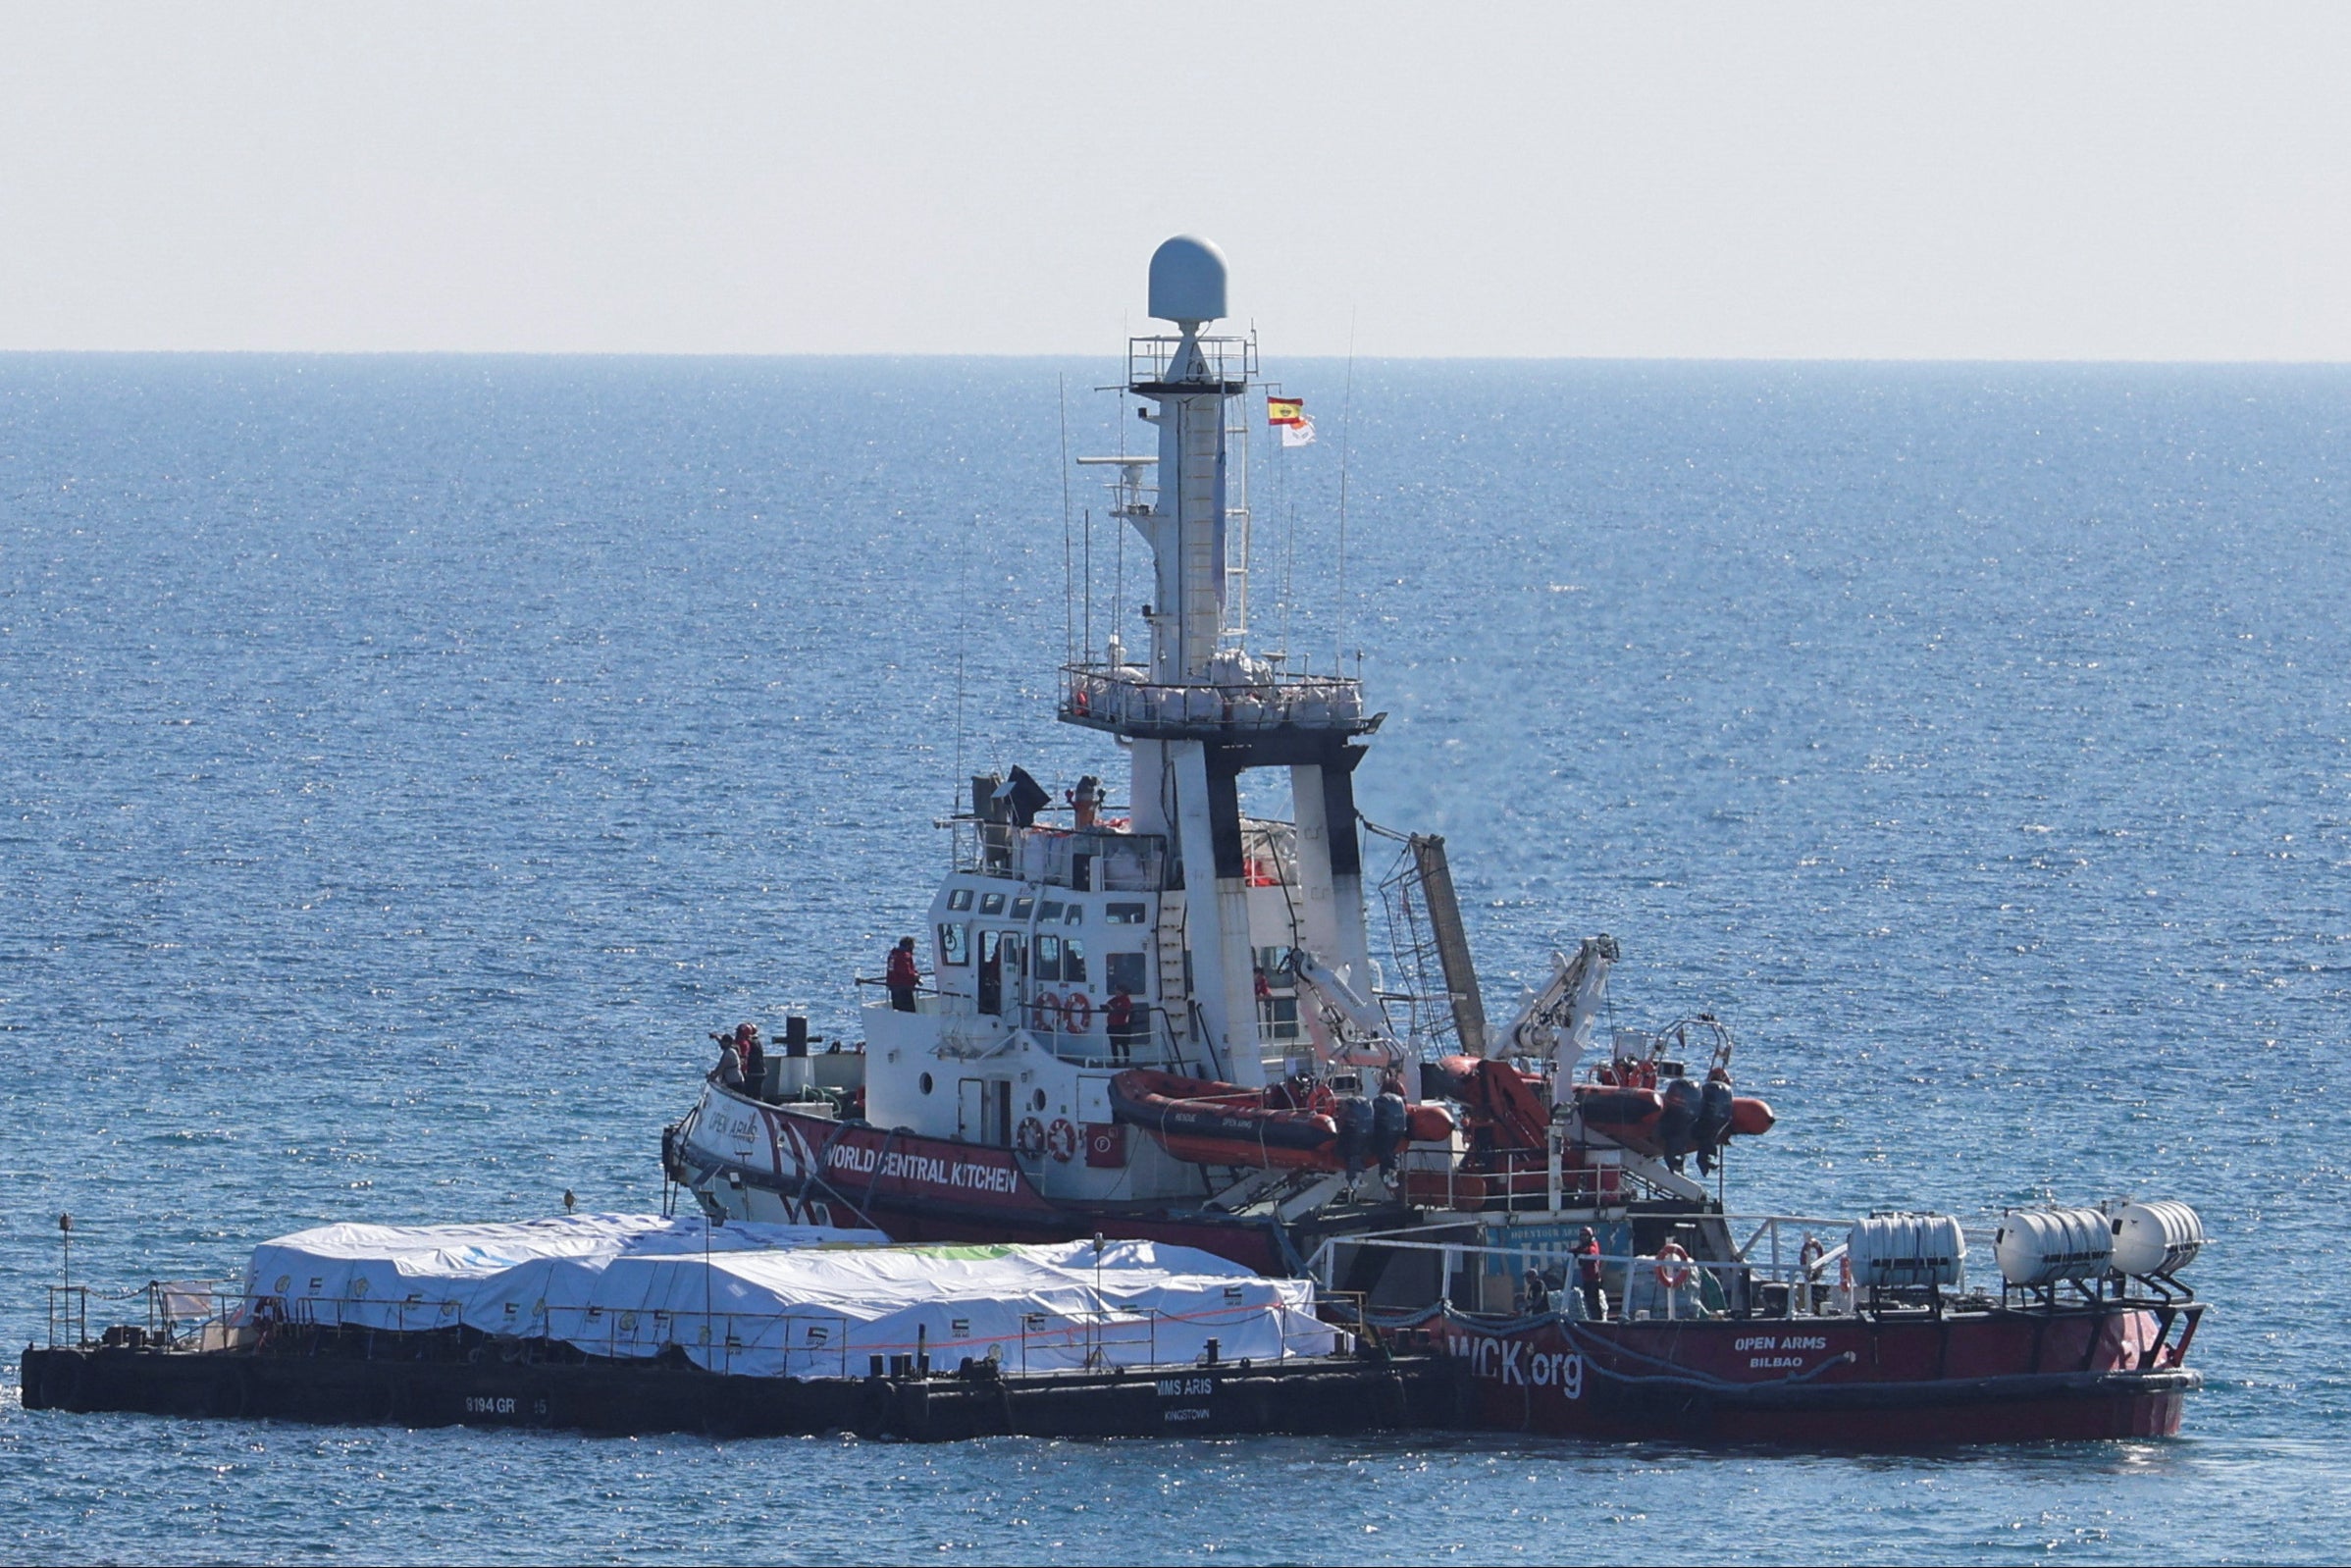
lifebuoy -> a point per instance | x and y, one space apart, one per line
1669 1274
1807 1256
1078 1013
1061 1139
1029 1139
1044 1011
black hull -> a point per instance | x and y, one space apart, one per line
1306 1396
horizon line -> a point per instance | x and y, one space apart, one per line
2151 362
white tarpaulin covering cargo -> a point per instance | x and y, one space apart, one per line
769 1300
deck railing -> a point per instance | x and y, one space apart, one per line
1104 697
1640 1284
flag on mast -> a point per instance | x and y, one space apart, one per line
1288 415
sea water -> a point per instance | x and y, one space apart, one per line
404 763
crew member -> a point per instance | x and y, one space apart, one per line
1538 1296
902 976
1085 801
1588 1273
730 1067
752 1055
1118 1019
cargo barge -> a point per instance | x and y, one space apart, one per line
645 1323
352 1377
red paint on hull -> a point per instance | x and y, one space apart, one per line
914 1188
1964 1378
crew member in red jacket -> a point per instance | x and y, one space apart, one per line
902 976
1589 1275
1118 1019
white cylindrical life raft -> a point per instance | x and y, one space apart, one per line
2042 1246
1906 1251
2157 1238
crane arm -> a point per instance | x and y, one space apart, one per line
1343 1025
1555 1024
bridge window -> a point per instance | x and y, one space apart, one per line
959 898
1126 913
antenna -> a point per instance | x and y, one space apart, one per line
1346 424
1069 615
963 600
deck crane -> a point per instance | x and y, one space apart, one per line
1346 1030
1555 1024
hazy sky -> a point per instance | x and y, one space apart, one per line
1788 179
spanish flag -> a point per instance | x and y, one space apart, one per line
1286 410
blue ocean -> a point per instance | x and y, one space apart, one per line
405 763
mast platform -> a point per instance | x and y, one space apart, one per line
1120 700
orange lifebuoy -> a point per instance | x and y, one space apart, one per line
1044 1011
1061 1139
1030 1138
1078 1013
1670 1276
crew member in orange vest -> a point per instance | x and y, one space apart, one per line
902 976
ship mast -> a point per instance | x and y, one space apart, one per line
1202 711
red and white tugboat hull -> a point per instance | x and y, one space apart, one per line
1165 1020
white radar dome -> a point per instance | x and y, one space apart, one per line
1187 280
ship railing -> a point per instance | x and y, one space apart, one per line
69 1315
1229 360
810 1343
178 1311
1120 698
1491 1278
1345 1309
1151 1043
1099 858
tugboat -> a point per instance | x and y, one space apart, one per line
1163 1021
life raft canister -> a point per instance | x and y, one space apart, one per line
1061 1139
1078 1013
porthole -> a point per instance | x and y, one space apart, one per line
923 1083
1036 1101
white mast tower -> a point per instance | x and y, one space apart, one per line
1204 711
